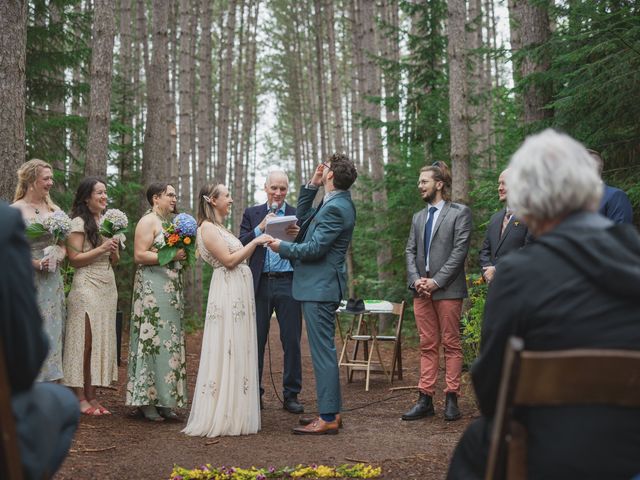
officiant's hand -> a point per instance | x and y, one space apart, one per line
275 245
263 223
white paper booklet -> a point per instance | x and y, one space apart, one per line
277 227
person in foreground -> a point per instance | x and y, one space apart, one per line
272 281
576 286
436 249
157 380
319 277
226 399
46 414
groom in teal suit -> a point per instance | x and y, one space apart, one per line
319 277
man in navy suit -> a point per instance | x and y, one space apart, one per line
615 204
505 233
272 280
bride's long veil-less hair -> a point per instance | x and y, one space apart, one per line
205 209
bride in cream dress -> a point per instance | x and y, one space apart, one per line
226 400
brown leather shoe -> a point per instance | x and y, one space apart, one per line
318 427
307 419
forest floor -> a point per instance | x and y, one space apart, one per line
122 446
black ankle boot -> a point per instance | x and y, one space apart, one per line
423 408
451 410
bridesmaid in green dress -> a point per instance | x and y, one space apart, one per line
35 179
157 368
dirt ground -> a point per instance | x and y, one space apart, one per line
124 447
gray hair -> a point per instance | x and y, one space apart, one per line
552 175
275 171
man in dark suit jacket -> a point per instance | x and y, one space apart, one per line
46 414
615 204
436 250
576 286
319 278
272 280
505 233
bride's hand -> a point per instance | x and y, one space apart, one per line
264 239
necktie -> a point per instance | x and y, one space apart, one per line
505 221
427 233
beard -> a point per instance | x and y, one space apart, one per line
429 197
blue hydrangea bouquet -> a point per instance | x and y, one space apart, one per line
179 233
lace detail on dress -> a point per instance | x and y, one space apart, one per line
232 243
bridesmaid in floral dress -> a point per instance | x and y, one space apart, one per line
35 179
90 341
157 369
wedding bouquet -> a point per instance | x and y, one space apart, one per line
58 224
113 224
178 233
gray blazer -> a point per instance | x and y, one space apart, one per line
449 247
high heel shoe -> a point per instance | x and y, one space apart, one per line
150 413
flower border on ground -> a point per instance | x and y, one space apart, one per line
207 472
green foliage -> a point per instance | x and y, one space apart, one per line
471 321
57 40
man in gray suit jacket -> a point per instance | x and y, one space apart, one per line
319 277
435 253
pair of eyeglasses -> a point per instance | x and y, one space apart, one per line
325 164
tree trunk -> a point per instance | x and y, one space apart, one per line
319 61
171 95
156 139
336 91
13 51
127 100
225 95
529 23
57 150
205 100
103 33
186 91
458 120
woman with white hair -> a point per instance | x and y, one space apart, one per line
576 286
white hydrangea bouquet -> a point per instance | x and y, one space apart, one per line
113 224
58 224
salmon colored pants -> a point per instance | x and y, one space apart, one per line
438 321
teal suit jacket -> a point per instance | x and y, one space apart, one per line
319 273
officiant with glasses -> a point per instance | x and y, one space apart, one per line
272 280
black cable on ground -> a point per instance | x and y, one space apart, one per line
359 407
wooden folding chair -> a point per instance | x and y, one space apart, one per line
551 379
10 465
364 329
396 362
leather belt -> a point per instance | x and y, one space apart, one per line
277 274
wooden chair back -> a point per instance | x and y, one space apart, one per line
396 362
10 465
555 378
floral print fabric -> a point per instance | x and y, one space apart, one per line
157 366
